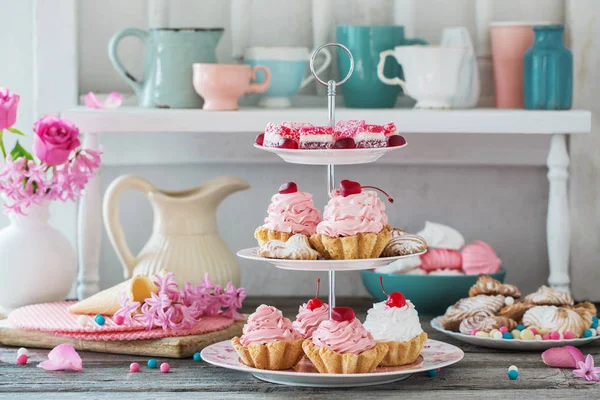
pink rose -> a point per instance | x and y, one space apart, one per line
8 108
54 139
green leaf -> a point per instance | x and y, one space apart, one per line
19 151
15 131
2 144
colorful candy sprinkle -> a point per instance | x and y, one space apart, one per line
474 332
433 372
99 319
595 320
134 367
164 368
520 327
507 335
589 333
534 330
513 368
22 359
569 335
22 350
513 375
152 363
509 301
503 329
496 335
538 337
554 335
546 336
516 334
119 319
594 324
197 357
482 334
527 334
83 320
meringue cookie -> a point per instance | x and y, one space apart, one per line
442 236
400 266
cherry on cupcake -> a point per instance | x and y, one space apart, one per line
341 314
345 143
315 302
260 139
396 140
395 299
348 187
288 188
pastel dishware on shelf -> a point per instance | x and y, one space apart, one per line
288 66
510 40
364 89
185 239
167 73
431 294
221 85
431 72
548 71
469 86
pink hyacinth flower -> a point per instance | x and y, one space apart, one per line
587 370
112 101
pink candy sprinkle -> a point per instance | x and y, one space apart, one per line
503 329
473 332
546 336
134 367
119 319
535 332
165 367
569 335
554 335
22 359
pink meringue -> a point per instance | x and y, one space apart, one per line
436 259
479 258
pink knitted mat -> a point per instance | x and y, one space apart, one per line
54 318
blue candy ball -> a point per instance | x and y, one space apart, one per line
588 333
432 372
513 374
152 363
595 319
507 335
520 327
197 357
99 319
594 324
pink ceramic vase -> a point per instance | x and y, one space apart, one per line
221 85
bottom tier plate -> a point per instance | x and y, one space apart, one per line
435 355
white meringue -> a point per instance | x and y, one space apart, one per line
442 236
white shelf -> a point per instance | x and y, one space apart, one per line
474 121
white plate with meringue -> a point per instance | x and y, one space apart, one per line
510 344
435 354
332 156
322 265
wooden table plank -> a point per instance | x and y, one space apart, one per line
481 373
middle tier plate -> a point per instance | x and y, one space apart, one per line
333 156
322 265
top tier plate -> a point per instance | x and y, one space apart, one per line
333 157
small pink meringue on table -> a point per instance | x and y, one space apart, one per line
479 258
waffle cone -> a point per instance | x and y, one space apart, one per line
272 356
359 246
107 302
263 235
327 361
402 353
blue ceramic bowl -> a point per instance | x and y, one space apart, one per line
431 294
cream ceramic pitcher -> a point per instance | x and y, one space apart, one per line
184 235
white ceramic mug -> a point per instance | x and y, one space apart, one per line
431 73
288 65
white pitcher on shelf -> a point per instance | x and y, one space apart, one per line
184 240
469 87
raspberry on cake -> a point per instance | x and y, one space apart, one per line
316 137
370 136
276 135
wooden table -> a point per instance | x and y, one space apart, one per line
481 374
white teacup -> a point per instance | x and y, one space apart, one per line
431 73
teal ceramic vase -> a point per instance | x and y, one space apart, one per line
365 42
548 71
170 54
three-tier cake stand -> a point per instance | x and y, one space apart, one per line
434 355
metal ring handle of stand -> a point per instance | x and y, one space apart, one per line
314 55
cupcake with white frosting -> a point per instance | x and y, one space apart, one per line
395 322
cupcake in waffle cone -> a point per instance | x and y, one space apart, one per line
269 341
341 345
354 225
289 213
395 323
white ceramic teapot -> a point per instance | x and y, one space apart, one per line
184 236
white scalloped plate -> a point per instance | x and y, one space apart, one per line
435 355
510 344
334 157
322 265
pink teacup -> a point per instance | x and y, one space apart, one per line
221 85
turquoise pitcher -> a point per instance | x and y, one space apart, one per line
170 54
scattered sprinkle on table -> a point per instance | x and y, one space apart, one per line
513 368
197 357
433 372
152 363
134 367
513 374
22 359
22 350
165 367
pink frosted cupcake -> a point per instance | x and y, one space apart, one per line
289 213
310 315
342 345
269 341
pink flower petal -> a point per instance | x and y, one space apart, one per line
62 358
91 101
114 100
563 357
